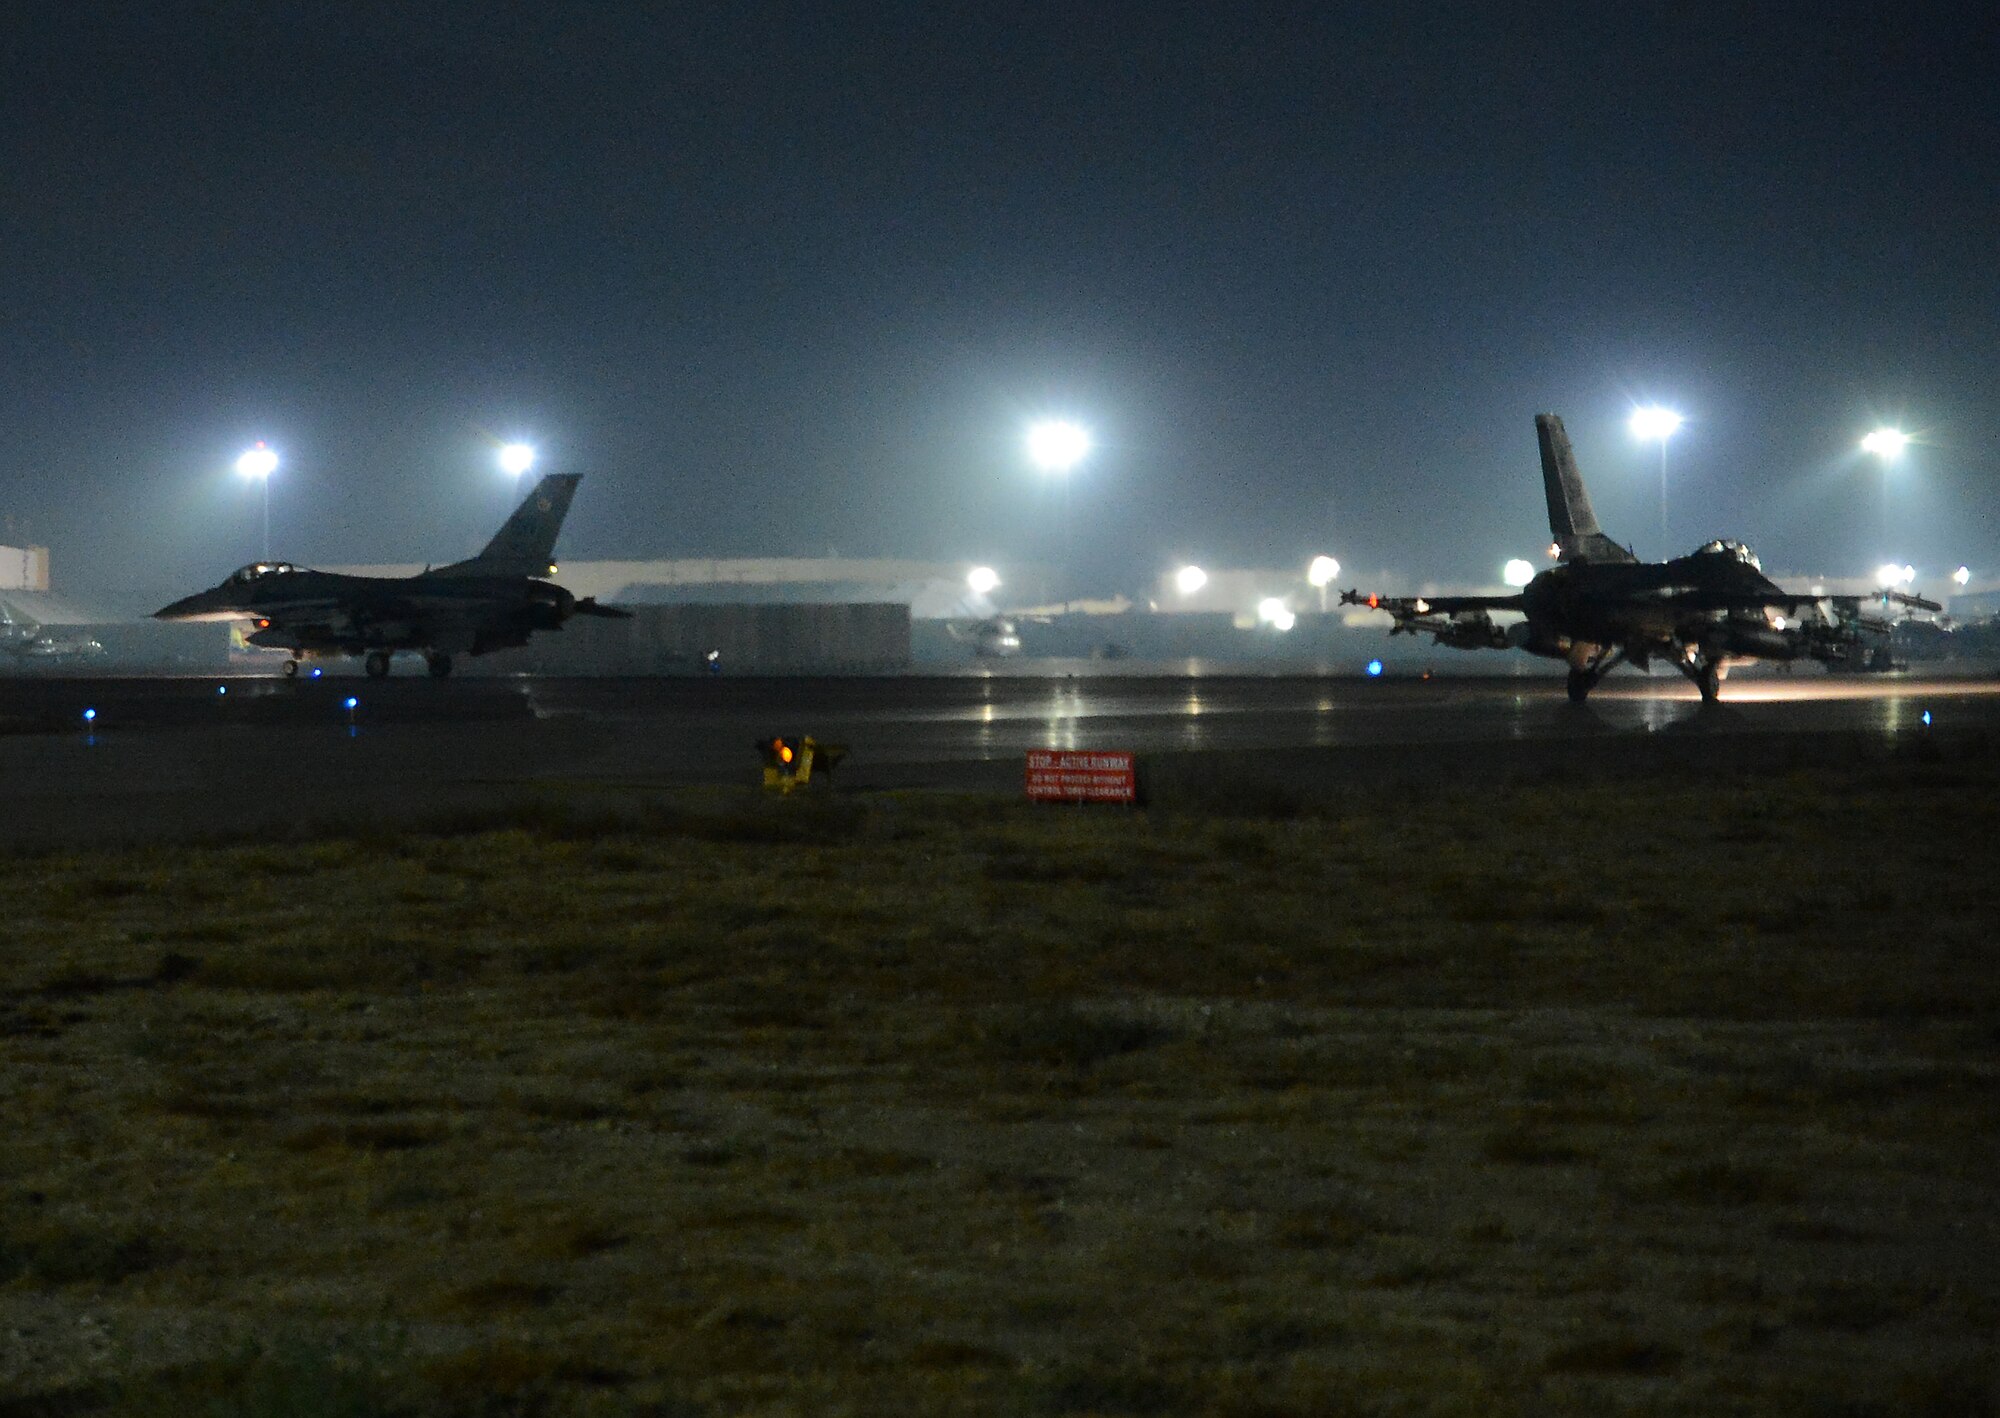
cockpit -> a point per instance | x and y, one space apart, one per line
1732 549
257 571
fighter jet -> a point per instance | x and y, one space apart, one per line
492 602
1600 604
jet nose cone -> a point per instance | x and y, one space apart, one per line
188 607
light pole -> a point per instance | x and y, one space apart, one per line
259 463
1319 572
1887 444
1056 446
1655 422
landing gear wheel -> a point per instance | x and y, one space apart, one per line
377 664
290 669
440 664
1581 682
1708 679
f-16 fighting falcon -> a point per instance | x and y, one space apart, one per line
491 602
1600 604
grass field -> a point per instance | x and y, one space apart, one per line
1670 1097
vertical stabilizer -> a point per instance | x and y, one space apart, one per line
525 544
1571 521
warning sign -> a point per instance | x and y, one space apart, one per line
1081 776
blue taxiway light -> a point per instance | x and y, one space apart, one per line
1374 668
351 704
317 672
222 689
89 716
1927 718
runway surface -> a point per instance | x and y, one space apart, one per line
162 757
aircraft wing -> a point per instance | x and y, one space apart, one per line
1400 606
1461 622
1729 600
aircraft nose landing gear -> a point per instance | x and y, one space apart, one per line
377 664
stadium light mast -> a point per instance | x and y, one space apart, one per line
259 463
1647 424
1056 446
1886 445
1320 571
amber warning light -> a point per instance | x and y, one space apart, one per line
789 763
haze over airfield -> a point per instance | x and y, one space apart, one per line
792 281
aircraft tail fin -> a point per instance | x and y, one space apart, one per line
524 545
1571 521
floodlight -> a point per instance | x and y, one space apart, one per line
1654 422
1962 576
516 459
258 462
1322 570
1190 579
1886 443
1270 608
1057 445
982 580
1518 573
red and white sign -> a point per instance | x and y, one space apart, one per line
1068 775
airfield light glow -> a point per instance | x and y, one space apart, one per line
1962 577
982 580
1886 443
90 716
1518 573
1654 422
1321 571
1190 579
1273 611
350 704
1374 669
1057 445
258 462
516 459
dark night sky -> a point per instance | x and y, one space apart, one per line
794 279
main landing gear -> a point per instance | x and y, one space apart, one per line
377 664
439 662
290 669
1706 672
1585 673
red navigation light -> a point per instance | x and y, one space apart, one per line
1374 602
